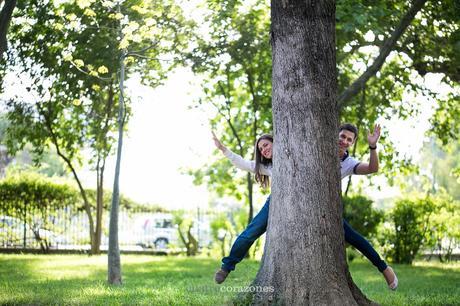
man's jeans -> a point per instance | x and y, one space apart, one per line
258 226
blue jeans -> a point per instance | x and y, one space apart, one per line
361 244
258 226
241 246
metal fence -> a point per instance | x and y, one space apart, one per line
68 229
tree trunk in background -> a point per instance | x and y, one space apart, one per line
114 264
304 257
99 205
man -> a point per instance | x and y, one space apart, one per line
348 134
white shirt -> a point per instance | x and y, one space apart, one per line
347 164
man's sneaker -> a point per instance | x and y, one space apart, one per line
390 277
221 275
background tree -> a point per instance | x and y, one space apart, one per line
441 164
75 103
444 233
75 113
364 33
184 229
222 233
138 45
5 158
225 227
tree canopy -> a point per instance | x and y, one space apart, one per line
384 51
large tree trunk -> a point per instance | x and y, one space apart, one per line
5 18
304 259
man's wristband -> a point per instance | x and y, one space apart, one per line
373 147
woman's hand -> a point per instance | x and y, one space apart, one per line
217 142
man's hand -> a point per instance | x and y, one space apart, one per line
217 142
373 138
373 165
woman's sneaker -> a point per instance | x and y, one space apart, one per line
221 275
390 277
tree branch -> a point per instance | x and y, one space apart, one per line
228 118
385 50
87 73
144 49
146 57
54 140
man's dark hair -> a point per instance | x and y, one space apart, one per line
349 127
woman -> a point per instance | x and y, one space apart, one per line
262 167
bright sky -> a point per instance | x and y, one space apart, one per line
164 137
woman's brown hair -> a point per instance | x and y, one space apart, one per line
263 180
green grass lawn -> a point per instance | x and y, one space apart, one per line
156 280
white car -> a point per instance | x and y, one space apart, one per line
157 231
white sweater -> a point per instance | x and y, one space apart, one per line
347 164
247 165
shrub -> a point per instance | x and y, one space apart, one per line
410 221
34 201
360 214
444 233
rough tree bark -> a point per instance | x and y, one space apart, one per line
6 14
304 259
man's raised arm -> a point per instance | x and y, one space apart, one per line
373 165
